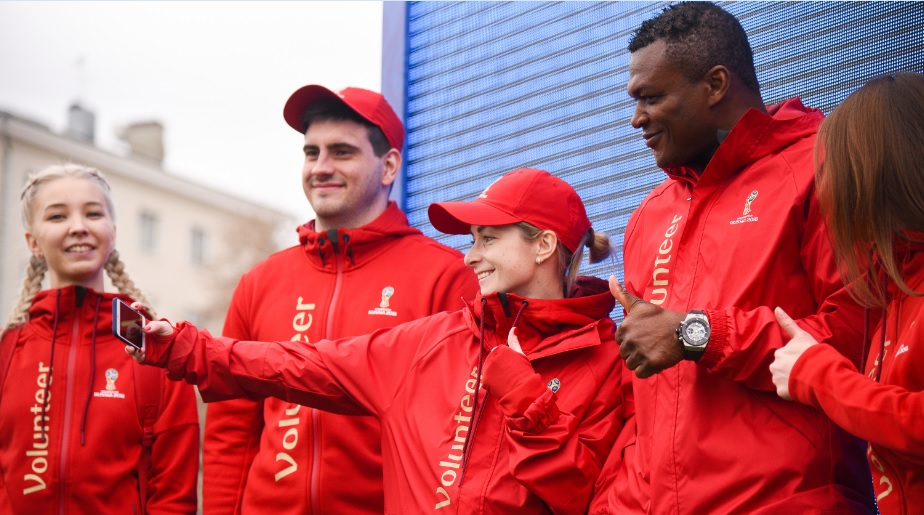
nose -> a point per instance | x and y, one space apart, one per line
639 117
78 225
472 256
322 164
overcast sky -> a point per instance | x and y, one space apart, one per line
215 73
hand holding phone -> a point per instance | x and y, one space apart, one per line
127 323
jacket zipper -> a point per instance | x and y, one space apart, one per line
315 415
468 452
68 400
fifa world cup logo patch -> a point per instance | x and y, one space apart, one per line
747 216
111 376
384 307
110 392
387 292
747 203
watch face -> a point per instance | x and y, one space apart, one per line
695 333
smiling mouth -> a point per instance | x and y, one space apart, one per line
326 184
649 138
482 275
79 248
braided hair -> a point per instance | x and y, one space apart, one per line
37 267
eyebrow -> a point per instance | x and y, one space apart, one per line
334 146
61 205
636 91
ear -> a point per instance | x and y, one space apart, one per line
718 80
392 165
547 244
32 243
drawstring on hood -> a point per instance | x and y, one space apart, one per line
80 295
864 353
481 358
321 241
482 355
882 332
904 249
348 249
51 360
358 245
334 238
86 404
516 319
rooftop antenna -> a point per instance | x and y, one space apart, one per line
81 122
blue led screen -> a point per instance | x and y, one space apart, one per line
492 87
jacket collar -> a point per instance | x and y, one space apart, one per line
755 136
905 248
909 242
547 327
354 246
69 303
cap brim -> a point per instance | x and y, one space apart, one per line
459 217
301 100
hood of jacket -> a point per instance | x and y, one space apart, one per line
756 136
546 326
57 308
907 244
353 247
906 251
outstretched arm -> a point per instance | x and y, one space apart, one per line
354 376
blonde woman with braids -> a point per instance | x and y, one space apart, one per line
73 435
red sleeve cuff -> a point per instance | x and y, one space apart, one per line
810 369
718 339
518 400
540 414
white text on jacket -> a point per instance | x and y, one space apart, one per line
39 451
659 295
453 461
301 322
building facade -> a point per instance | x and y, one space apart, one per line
184 244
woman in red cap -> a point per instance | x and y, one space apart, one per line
509 405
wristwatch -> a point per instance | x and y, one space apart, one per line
693 335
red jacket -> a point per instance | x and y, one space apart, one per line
279 456
887 412
88 459
742 238
447 446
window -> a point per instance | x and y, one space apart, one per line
198 246
150 226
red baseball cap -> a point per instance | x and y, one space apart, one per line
370 105
524 195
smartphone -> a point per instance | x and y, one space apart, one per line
127 323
